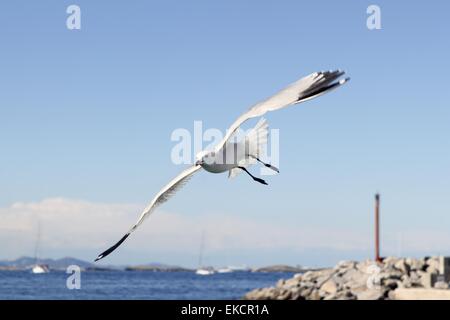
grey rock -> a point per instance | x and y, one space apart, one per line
391 284
433 265
414 276
345 295
402 266
415 264
330 297
296 294
314 295
290 283
308 275
391 295
345 264
406 283
391 274
351 274
325 273
372 294
306 292
307 284
280 283
338 280
298 276
441 285
358 282
329 287
284 295
321 280
427 280
390 261
258 294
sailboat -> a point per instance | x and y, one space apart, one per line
38 268
203 271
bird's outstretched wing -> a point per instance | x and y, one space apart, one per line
302 90
162 196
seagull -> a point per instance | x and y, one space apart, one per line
234 157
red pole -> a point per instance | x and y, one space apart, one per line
377 228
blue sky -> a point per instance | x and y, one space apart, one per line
87 115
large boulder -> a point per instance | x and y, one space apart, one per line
415 264
432 265
329 287
372 294
402 266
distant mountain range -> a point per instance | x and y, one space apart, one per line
157 267
55 264
24 263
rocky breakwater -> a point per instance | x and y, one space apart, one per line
350 280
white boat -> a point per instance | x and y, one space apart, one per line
204 272
39 268
225 270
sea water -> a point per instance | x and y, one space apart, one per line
134 285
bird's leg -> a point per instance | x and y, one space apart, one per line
266 164
254 178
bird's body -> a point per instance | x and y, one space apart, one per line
235 157
214 162
216 166
235 154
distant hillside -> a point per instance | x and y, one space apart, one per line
280 268
157 267
55 264
24 263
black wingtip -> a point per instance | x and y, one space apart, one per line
114 247
344 80
260 181
316 93
272 167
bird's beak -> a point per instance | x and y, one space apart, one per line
199 163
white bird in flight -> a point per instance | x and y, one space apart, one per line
235 157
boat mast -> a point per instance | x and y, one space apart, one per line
202 247
36 248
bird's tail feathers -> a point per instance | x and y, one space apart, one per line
256 139
255 143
